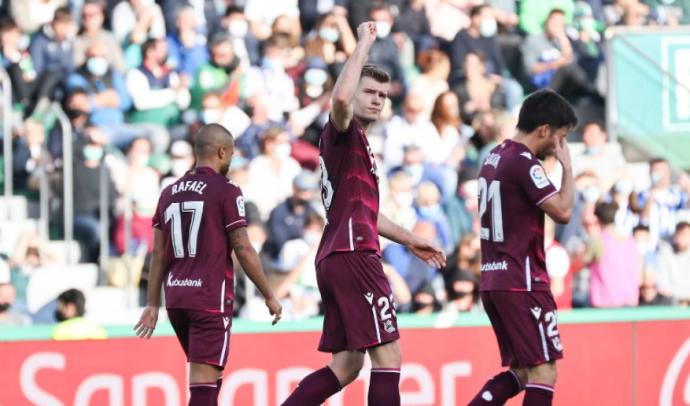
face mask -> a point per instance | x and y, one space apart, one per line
624 187
93 153
404 199
591 194
312 237
272 64
643 248
59 316
656 178
179 167
488 27
415 171
315 77
283 151
141 160
313 91
238 29
23 42
4 307
329 34
210 116
430 211
97 65
383 28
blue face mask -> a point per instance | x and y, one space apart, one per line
97 65
93 153
272 64
415 171
315 77
430 211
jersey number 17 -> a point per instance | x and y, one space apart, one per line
174 213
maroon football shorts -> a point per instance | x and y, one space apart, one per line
358 302
204 336
526 326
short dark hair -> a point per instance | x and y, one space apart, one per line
375 72
75 297
554 11
62 15
640 227
606 212
682 225
657 160
7 24
219 38
545 107
233 9
148 45
314 218
476 10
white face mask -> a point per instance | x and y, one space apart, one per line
141 160
383 28
238 28
329 34
283 150
312 237
209 116
404 199
97 65
178 167
488 27
313 91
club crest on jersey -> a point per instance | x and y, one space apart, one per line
388 326
536 172
240 206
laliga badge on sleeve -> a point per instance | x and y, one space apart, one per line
240 206
536 172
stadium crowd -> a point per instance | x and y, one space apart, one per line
136 78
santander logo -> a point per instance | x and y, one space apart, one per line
668 386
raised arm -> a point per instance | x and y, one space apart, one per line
346 85
248 258
147 323
560 206
426 250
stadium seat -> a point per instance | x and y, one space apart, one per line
17 208
46 283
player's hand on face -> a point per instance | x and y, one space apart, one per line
428 251
275 308
147 323
367 31
562 152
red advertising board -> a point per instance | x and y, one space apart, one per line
641 363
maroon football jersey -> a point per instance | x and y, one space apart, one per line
512 184
349 191
195 213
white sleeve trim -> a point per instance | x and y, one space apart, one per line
546 197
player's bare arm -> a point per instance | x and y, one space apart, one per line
426 250
248 258
346 85
560 206
147 323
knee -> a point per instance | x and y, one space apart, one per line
347 373
545 373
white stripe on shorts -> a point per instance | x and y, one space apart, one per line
528 275
225 347
543 342
376 324
222 297
349 229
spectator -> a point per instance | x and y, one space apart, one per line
78 111
187 50
558 267
296 263
262 13
287 220
88 154
550 61
412 127
446 119
274 80
271 174
28 88
460 206
223 74
92 18
30 156
424 301
674 278
625 12
398 205
9 317
614 263
660 206
413 270
230 116
462 289
332 41
604 159
133 21
649 292
109 100
157 92
414 22
419 171
384 51
533 13
52 49
250 141
447 17
428 205
621 194
433 81
480 38
587 41
479 92
71 322
244 43
181 160
207 16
